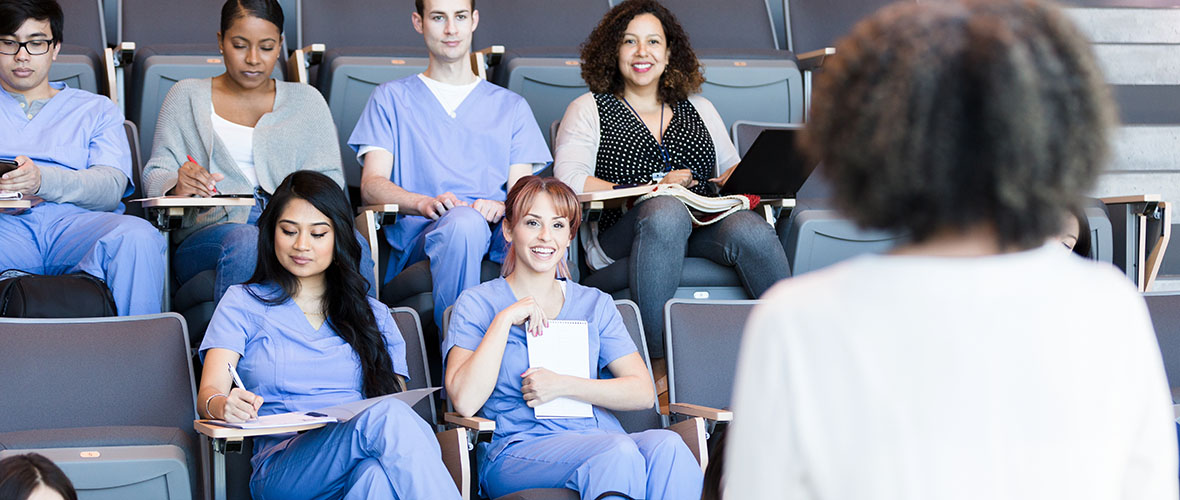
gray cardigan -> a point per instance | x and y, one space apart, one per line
298 134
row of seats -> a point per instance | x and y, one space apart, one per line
122 389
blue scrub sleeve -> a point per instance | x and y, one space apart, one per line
470 318
614 340
394 342
108 146
232 321
375 126
528 144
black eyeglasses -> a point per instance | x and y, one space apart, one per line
33 47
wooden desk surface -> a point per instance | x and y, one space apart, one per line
219 432
194 201
15 204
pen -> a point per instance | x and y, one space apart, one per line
237 379
190 158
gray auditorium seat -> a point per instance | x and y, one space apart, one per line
111 399
541 62
174 41
80 62
379 44
1165 316
703 339
747 75
820 237
744 132
410 327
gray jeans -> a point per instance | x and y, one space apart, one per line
657 234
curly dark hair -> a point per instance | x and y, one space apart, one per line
942 116
600 54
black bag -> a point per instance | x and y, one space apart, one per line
78 295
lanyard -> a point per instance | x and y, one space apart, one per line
664 155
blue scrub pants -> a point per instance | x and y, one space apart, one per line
653 464
126 252
232 250
456 244
385 452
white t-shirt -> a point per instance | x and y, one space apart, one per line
448 95
1032 375
239 142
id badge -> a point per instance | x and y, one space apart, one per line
658 176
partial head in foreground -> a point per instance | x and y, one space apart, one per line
541 217
32 476
941 118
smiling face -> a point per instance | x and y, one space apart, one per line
447 26
28 74
643 53
304 240
251 47
540 238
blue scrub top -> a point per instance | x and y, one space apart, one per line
75 130
515 421
291 365
433 152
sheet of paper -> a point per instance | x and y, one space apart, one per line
563 348
333 414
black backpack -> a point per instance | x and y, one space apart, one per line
77 295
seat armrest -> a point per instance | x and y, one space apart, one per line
691 410
301 59
477 424
483 59
214 431
15 204
810 61
1135 198
125 53
456 457
692 431
108 68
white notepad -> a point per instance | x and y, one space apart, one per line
563 348
331 415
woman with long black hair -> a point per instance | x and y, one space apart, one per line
303 335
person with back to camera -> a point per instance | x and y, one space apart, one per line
641 122
978 360
487 371
304 336
240 132
33 477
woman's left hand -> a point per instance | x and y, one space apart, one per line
723 178
541 386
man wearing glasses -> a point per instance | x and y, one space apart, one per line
73 164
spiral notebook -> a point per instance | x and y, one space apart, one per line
563 348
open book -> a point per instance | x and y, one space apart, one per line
563 348
331 415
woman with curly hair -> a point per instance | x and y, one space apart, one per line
978 360
642 122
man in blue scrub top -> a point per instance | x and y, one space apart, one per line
445 146
73 164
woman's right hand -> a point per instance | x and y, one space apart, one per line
682 176
240 405
526 309
194 180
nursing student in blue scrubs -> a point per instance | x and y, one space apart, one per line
488 374
73 166
445 145
303 335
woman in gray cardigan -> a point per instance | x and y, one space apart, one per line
240 132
